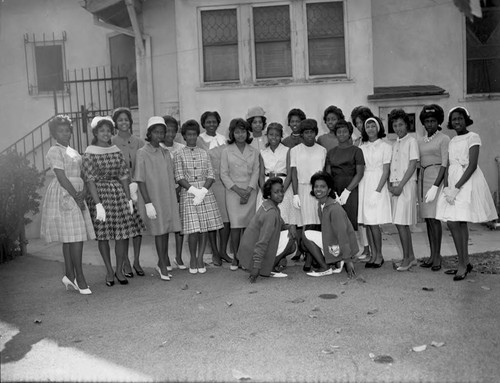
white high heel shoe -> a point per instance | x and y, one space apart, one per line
162 276
83 291
67 283
180 267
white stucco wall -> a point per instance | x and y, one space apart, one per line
86 46
277 100
423 43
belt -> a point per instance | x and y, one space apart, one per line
272 174
428 166
422 179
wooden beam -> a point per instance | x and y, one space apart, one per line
139 42
94 6
125 31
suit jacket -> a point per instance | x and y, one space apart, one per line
240 169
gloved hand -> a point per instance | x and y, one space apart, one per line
194 191
150 211
344 196
100 214
296 201
133 187
254 274
131 206
431 194
197 200
203 193
451 194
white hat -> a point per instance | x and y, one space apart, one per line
255 111
156 120
96 120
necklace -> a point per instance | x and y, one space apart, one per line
429 139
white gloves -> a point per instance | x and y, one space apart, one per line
199 194
344 196
450 194
133 187
194 191
100 214
431 194
150 211
131 206
296 201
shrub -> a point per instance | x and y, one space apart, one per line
19 183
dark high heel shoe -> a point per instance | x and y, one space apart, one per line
138 272
369 265
129 275
110 283
435 268
378 265
426 265
121 281
462 277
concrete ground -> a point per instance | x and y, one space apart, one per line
219 327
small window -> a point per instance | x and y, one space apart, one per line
483 50
325 38
219 30
45 63
273 54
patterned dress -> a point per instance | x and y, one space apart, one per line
62 219
193 165
106 167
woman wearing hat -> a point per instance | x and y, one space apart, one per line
466 196
433 148
257 120
154 173
111 208
65 217
129 145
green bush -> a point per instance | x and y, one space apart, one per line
19 183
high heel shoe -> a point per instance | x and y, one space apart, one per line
436 268
67 283
83 291
404 268
426 265
139 272
179 266
128 275
378 265
369 265
162 276
462 277
121 281
110 283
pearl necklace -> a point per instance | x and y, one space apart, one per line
429 139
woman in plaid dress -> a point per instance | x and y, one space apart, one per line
199 211
65 217
112 210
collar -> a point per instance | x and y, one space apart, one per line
402 139
213 141
94 149
150 148
330 201
268 205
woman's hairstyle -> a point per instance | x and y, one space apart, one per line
343 124
308 124
296 112
397 114
238 123
170 121
266 190
120 110
207 114
464 112
323 176
334 110
150 130
60 119
363 112
190 125
250 120
274 126
381 130
98 122
432 110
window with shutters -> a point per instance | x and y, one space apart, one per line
483 50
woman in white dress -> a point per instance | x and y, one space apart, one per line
374 207
466 196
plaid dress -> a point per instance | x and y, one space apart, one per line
62 219
106 167
193 165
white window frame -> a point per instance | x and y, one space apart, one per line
246 44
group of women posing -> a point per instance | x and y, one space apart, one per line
266 195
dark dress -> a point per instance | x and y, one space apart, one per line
343 162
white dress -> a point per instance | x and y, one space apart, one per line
308 160
275 162
374 208
473 202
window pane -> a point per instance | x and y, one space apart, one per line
49 67
325 36
220 45
483 51
273 53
